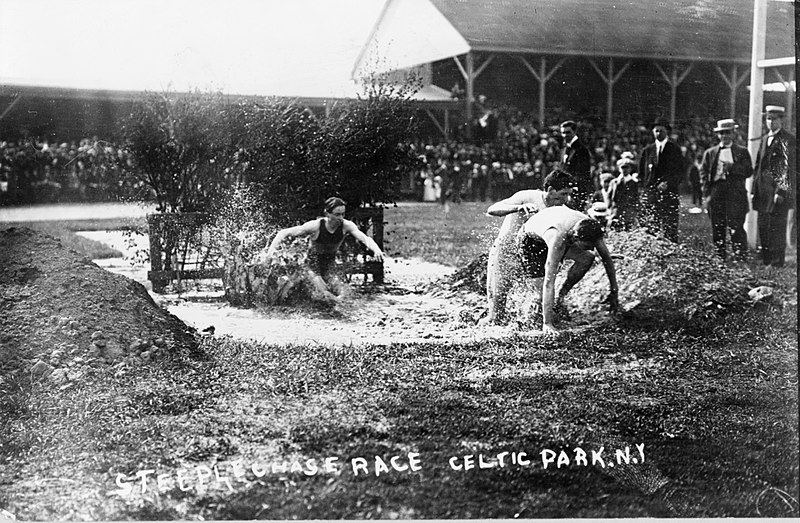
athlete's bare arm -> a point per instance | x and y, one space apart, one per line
307 229
519 201
556 247
352 229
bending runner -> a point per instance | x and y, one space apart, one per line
550 236
326 236
503 267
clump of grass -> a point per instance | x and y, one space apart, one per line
294 369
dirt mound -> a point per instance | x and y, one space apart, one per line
59 306
659 281
471 277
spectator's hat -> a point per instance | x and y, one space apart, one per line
598 210
663 122
622 162
728 124
627 154
775 110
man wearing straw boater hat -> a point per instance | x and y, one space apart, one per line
774 186
723 172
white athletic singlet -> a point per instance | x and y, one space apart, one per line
559 217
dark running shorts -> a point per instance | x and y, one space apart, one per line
321 262
533 252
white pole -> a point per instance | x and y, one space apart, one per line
754 127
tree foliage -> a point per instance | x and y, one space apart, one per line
182 147
362 146
274 139
192 149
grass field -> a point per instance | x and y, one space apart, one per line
424 230
714 411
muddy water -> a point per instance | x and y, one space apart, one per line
401 313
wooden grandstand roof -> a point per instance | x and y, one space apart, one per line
713 30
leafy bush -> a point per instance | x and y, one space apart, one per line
274 138
182 147
362 148
359 151
255 167
191 149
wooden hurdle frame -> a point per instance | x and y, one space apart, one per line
163 232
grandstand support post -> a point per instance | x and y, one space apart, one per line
470 91
7 110
754 127
734 82
610 80
470 73
790 95
674 80
442 128
542 76
467 74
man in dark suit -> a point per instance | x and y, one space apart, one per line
576 160
661 169
774 186
723 172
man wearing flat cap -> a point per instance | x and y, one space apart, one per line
661 170
723 172
774 186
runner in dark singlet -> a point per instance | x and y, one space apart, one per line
322 251
326 236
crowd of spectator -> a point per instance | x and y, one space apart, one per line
509 151
515 153
34 171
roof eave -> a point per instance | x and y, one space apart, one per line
606 54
